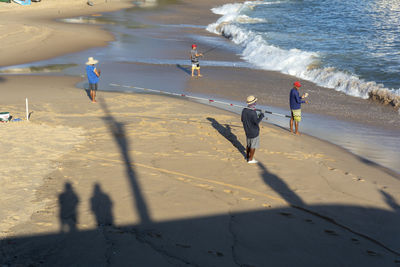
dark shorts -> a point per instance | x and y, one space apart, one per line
93 86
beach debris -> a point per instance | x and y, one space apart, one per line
90 3
23 2
5 116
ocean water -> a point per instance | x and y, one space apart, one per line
351 46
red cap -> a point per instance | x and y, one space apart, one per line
297 84
193 45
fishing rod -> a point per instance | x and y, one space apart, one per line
197 98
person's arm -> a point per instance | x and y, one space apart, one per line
256 119
260 117
298 99
97 72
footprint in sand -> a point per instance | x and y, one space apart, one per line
183 179
247 198
331 232
265 205
228 191
358 179
182 246
372 253
156 235
286 214
355 241
216 253
206 186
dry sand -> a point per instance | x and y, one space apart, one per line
30 33
146 180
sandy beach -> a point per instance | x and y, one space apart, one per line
150 180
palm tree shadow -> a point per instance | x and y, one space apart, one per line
117 130
227 133
185 69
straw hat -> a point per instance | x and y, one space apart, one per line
91 61
251 99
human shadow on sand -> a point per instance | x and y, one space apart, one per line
68 202
185 69
225 131
101 206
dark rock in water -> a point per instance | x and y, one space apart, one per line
36 0
90 3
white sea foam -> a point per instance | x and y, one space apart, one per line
295 62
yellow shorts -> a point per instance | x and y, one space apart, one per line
296 114
195 66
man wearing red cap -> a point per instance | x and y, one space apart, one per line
295 107
194 57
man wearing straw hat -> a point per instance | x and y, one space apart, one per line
93 77
250 122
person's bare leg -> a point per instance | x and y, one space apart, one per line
94 96
192 72
247 153
251 154
291 124
296 125
198 73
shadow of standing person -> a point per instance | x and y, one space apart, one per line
101 206
280 187
227 133
68 202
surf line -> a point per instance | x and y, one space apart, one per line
197 98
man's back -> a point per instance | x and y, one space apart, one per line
250 122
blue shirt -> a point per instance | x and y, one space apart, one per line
250 122
295 100
92 77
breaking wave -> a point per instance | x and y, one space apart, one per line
302 64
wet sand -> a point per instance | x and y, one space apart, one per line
149 180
